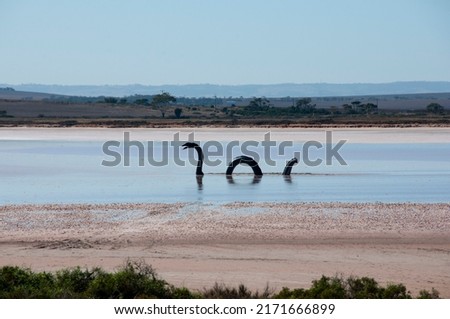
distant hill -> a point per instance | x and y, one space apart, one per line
9 93
269 90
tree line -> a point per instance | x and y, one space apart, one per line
164 102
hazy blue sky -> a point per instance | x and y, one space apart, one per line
223 41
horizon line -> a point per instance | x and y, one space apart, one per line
240 84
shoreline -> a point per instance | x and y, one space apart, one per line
351 135
280 244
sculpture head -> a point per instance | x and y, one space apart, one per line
190 145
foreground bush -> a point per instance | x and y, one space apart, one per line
350 288
139 280
133 280
223 292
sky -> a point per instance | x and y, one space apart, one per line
156 42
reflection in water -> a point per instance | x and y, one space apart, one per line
256 179
287 179
199 182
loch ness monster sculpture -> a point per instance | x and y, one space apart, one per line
237 161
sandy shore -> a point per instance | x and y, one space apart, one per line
280 244
351 135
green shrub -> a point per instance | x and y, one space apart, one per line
73 283
18 282
220 291
183 293
287 293
136 279
425 294
350 288
327 288
363 288
102 286
393 291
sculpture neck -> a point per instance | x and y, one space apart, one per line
200 161
287 170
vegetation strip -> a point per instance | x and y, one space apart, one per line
136 279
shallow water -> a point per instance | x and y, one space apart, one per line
71 172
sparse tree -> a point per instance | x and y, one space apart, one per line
178 112
370 108
347 107
435 108
304 105
259 104
356 104
111 100
159 101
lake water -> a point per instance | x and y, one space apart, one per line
72 172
